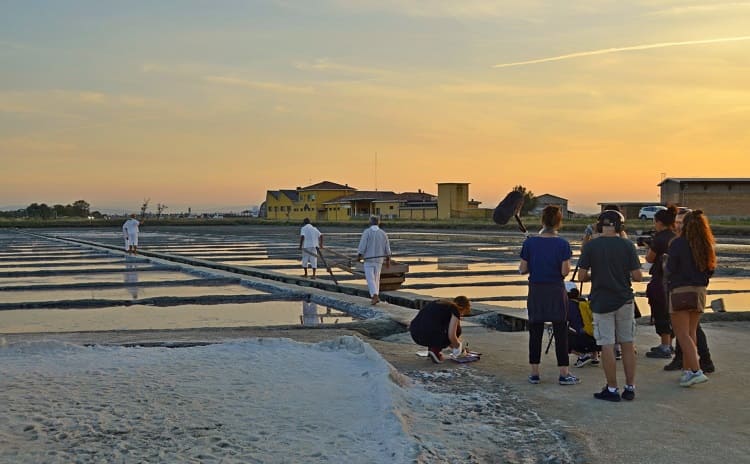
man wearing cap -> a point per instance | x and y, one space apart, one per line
611 263
374 249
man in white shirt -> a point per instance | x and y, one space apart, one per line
375 249
130 231
310 239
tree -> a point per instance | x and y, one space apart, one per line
38 211
81 208
144 207
160 207
529 200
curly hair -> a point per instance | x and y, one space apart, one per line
698 234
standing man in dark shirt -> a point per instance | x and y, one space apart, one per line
611 263
656 290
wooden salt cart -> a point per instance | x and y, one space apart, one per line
391 275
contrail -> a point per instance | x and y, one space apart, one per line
605 51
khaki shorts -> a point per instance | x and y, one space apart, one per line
615 327
701 291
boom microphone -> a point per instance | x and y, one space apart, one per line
508 208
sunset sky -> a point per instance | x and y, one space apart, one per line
208 104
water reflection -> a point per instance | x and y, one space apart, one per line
131 279
310 315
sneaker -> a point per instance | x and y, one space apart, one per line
583 360
569 379
437 358
594 362
607 395
691 378
661 348
707 366
675 365
628 393
618 355
534 379
661 352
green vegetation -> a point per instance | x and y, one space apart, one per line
721 227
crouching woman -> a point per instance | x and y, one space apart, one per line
438 325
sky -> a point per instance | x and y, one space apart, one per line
209 104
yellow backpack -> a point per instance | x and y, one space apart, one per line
586 316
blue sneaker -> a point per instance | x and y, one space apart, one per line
569 379
628 393
534 379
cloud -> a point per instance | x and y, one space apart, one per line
259 85
326 65
606 51
700 9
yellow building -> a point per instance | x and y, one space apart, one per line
303 202
453 199
328 201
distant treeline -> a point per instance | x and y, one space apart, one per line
79 209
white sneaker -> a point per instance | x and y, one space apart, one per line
690 378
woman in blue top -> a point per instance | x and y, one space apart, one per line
691 263
546 258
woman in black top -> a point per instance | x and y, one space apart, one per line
438 325
691 263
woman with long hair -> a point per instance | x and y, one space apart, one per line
546 258
691 263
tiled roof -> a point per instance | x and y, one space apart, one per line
291 194
366 195
416 196
326 185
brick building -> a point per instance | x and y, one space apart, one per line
715 196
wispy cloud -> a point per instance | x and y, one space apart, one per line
700 9
326 65
606 51
259 85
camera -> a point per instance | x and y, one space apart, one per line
645 238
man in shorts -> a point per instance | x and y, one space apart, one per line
310 239
611 263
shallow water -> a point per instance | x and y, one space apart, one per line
187 316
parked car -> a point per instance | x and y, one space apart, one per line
648 212
683 210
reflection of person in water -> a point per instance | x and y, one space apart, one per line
309 313
130 277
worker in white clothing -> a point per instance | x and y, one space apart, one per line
375 250
310 240
130 232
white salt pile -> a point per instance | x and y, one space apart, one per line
261 400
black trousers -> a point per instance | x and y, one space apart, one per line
536 334
703 351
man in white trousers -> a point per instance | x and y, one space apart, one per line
130 231
310 239
374 249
